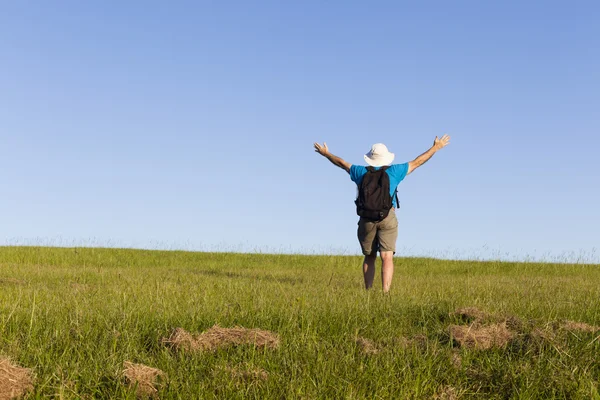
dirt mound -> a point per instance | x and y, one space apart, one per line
367 346
15 381
471 314
573 326
217 337
143 378
482 337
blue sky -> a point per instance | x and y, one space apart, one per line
190 124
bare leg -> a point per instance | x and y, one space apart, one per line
387 269
369 269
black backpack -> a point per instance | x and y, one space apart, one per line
374 201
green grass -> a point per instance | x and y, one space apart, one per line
75 315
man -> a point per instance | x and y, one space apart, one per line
381 236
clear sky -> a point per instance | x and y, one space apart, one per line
190 124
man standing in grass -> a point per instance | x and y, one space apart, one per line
378 230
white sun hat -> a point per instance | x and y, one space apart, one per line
379 156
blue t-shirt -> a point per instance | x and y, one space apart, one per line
396 172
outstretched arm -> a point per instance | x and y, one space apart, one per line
438 144
335 160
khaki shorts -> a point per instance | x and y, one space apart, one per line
382 235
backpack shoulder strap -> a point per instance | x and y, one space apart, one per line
372 169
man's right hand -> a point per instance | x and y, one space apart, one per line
441 142
321 149
335 160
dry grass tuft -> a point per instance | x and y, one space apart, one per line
12 281
470 314
515 324
446 393
143 378
482 337
248 373
367 346
554 333
402 341
15 381
217 337
419 341
544 334
79 287
573 326
456 360
181 339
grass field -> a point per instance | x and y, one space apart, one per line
75 316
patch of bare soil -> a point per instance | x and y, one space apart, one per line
573 326
143 378
217 337
482 337
367 346
15 382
